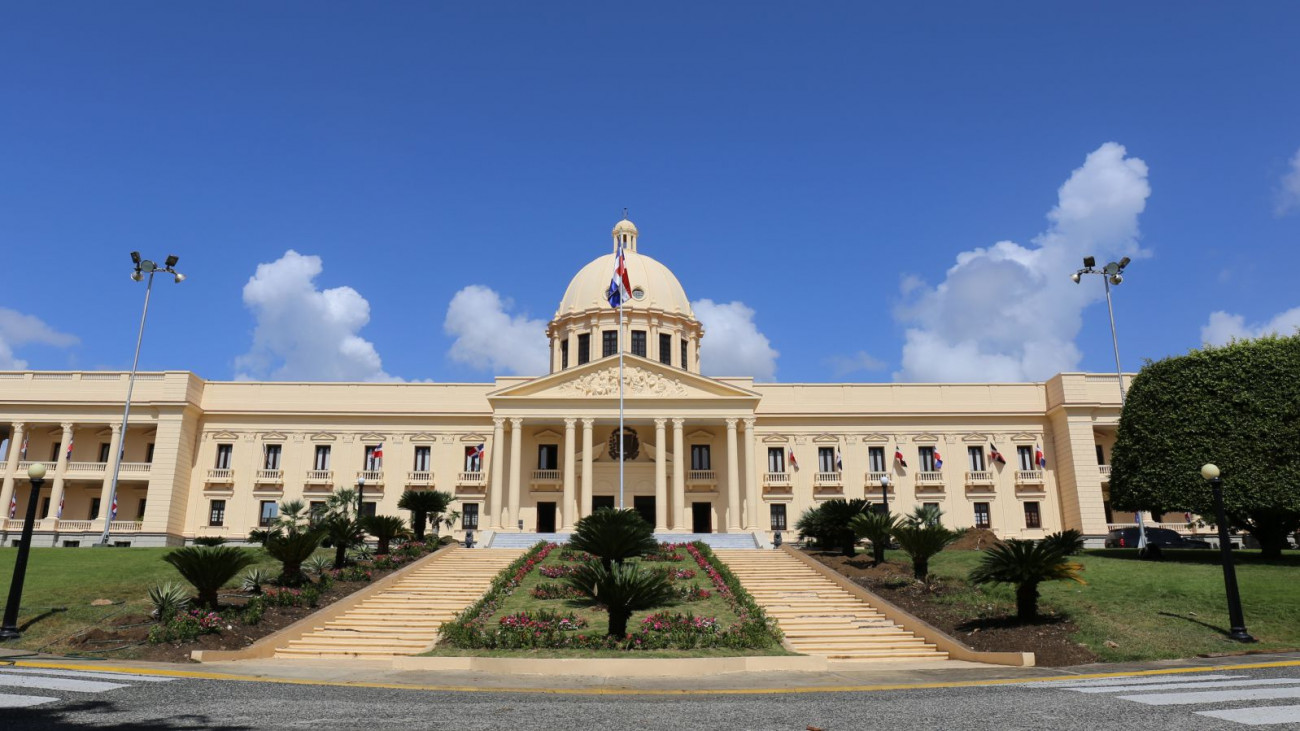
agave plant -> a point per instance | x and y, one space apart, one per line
291 548
385 528
208 568
424 504
168 600
1025 564
621 589
877 528
318 564
614 536
922 542
255 579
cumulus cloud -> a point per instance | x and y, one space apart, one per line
303 332
1009 312
1224 328
1288 196
489 338
843 365
17 330
732 345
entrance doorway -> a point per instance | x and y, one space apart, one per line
645 505
602 501
701 517
545 517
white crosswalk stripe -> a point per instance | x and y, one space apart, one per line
1193 689
55 679
1188 685
1262 716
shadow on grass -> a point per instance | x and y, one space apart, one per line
1221 630
1009 621
1199 556
59 717
43 615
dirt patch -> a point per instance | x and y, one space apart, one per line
1051 639
974 539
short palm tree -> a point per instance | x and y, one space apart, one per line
342 502
922 542
385 529
1025 564
424 504
830 522
208 568
614 535
341 533
291 548
1069 541
621 589
877 528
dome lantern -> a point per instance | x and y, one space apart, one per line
624 233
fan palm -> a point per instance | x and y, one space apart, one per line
424 504
877 528
829 523
922 542
341 533
614 535
385 528
208 568
621 589
1069 541
291 548
1025 564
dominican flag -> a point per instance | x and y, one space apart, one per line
995 455
112 511
839 463
59 514
938 460
70 443
476 453
379 452
1039 459
898 456
794 463
620 288
13 505
23 451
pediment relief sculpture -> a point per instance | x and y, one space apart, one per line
636 382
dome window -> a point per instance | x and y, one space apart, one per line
638 293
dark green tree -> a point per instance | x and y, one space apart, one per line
621 589
1026 564
877 528
1237 406
614 535
208 568
385 529
830 524
424 505
341 533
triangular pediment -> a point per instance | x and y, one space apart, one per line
975 438
424 438
547 434
323 437
1024 437
700 435
826 439
473 438
776 439
643 379
875 438
925 439
224 435
372 437
272 436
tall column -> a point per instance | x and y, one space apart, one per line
494 516
570 454
661 475
11 467
585 508
680 520
106 489
516 457
753 500
733 478
60 467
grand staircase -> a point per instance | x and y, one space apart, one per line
404 618
819 617
713 540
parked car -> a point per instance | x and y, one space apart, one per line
1163 537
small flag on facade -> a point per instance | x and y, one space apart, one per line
995 455
379 451
23 451
477 451
938 460
898 456
70 443
13 505
1039 458
59 514
112 511
839 463
794 463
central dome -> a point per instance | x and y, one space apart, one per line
659 288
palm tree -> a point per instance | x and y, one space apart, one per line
424 505
829 523
1069 541
877 528
922 542
614 535
342 502
1025 564
621 589
208 568
291 548
385 528
341 533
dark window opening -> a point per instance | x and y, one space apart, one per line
982 519
584 348
217 513
548 456
666 349
608 343
469 516
700 457
638 343
564 354
778 517
1033 519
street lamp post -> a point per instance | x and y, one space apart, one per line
1236 619
9 630
884 492
361 488
142 267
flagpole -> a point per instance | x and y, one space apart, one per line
622 438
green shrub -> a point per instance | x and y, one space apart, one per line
168 600
614 536
317 564
1025 564
209 541
1068 542
877 528
208 568
255 579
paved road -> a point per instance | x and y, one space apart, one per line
32 698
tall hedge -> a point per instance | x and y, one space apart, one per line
1237 406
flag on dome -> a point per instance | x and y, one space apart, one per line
995 455
938 460
1039 458
620 287
898 456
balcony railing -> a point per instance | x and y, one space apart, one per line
419 477
220 476
547 477
14 524
1104 469
979 477
776 479
1029 477
1180 527
91 467
135 469
125 526
24 464
471 479
929 478
372 477
320 477
701 477
269 477
828 479
873 483
73 525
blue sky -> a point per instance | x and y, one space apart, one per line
816 171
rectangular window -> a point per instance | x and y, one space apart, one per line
267 513
148 453
584 348
776 459
826 459
368 509
322 458
94 508
548 456
1101 455
104 449
976 457
317 510
927 458
930 506
54 451
139 515
608 343
374 457
223 456
217 512
1033 519
1025 456
778 517
421 459
666 349
982 515
564 354
684 366
271 456
473 460
469 516
45 508
700 457
638 343
876 458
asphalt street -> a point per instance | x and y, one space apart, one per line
39 698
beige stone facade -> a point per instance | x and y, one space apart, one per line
209 458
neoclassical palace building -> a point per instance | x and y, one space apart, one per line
700 454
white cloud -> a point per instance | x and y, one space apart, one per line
1010 312
489 338
17 330
843 365
1224 327
732 344
305 333
1288 196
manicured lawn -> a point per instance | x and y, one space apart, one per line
1150 610
62 582
612 654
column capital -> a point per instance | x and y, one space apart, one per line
679 423
588 423
749 423
18 425
569 424
67 426
498 421
660 423
731 423
516 422
115 429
